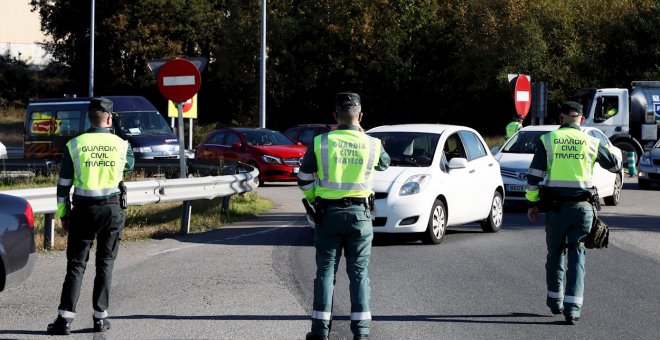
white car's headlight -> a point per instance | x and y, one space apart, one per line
143 149
271 159
414 185
644 160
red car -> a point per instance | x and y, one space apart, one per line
275 155
305 133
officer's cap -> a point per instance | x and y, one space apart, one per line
346 100
571 108
100 104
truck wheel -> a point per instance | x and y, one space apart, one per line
626 146
616 194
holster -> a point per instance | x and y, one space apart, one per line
123 198
314 212
594 199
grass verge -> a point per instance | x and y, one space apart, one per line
162 220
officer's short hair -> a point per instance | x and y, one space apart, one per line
97 109
571 108
348 104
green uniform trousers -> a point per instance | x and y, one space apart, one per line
348 229
89 222
566 227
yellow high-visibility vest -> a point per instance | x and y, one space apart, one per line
346 161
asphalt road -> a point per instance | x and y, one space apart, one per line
254 280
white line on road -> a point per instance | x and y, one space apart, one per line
171 250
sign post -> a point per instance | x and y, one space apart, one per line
179 80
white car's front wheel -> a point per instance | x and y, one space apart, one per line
616 194
437 226
493 222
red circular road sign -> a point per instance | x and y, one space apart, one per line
522 95
179 80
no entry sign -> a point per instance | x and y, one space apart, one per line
179 80
522 95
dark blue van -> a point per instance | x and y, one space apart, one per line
51 123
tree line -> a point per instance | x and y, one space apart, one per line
435 61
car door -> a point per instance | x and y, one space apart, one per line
603 179
231 152
457 184
483 173
210 149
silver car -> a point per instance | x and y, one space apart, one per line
516 155
17 249
649 167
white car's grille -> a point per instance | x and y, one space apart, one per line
519 174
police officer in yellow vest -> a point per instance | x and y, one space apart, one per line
93 163
336 176
514 126
568 156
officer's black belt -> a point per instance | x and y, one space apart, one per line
90 202
347 201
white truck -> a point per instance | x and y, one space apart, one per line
630 120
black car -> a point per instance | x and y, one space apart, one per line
17 249
305 133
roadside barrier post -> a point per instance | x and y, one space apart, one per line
632 170
49 231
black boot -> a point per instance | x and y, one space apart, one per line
101 325
60 326
572 320
312 336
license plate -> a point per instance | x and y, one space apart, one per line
515 187
295 170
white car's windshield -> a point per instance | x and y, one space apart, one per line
408 148
523 142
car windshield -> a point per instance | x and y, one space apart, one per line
408 148
523 142
266 137
148 123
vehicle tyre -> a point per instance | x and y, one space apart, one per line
644 185
437 226
493 222
626 146
616 195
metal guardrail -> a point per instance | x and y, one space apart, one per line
241 178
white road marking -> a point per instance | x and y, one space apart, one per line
171 250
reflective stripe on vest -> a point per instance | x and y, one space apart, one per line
98 162
347 159
571 155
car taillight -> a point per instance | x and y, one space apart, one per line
29 215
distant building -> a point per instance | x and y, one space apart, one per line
32 54
20 32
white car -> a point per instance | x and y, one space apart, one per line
516 155
3 151
439 176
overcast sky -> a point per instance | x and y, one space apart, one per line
18 24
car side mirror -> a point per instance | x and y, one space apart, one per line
299 143
457 163
495 149
236 145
